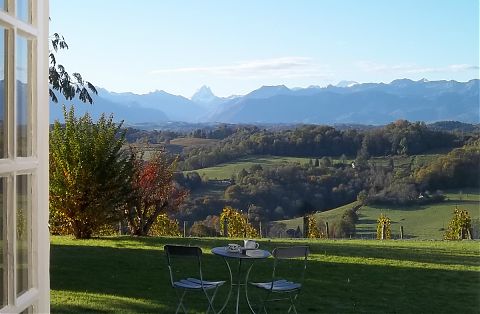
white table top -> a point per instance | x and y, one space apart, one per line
250 254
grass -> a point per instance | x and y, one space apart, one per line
226 170
420 221
129 275
191 141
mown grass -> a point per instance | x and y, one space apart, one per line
129 275
423 222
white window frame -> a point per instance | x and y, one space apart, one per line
37 298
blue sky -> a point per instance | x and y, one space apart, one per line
237 46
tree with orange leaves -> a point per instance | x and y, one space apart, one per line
154 192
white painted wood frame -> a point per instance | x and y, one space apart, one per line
36 298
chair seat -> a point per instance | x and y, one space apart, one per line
194 284
278 285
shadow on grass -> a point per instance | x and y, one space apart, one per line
329 287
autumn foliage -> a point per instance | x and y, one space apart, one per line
154 193
460 226
312 228
237 224
384 224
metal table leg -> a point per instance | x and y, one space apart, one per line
238 283
231 286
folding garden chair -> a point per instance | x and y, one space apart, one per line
175 254
284 257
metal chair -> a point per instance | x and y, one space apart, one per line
280 285
182 286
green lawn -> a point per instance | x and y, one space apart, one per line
129 275
424 222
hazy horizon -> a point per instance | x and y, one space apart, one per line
234 48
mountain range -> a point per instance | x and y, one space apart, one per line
346 102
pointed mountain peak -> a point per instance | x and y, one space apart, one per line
203 95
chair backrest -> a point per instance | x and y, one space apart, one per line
179 254
283 255
181 250
290 252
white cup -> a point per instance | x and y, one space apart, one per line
250 244
232 247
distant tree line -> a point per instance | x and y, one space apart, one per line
133 135
276 193
458 169
398 138
292 190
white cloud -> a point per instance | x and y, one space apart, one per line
407 68
285 67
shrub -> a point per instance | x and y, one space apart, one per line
313 231
460 227
164 226
89 175
237 225
386 222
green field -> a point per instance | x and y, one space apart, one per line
226 170
420 222
129 275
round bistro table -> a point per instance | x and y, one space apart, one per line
249 255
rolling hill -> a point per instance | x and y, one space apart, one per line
422 222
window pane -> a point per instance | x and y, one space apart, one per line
23 9
3 5
3 95
3 244
23 216
24 97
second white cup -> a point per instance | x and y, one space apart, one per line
250 244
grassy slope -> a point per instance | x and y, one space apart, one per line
127 275
226 170
422 222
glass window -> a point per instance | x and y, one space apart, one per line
23 9
23 216
3 243
3 94
24 97
3 5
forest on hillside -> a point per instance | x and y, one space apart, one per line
372 165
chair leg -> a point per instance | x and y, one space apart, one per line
264 302
292 304
180 302
210 300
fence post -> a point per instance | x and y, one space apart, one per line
327 230
260 229
383 232
225 227
184 228
470 233
401 232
